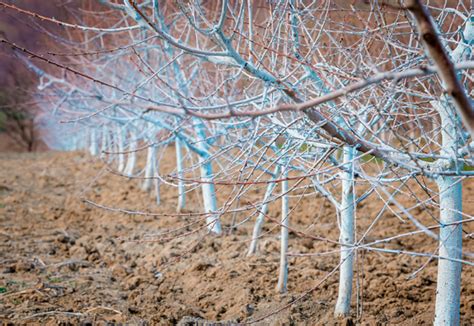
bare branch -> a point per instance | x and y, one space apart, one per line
445 67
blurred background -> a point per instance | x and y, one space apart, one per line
18 127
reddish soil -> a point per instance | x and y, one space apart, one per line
64 261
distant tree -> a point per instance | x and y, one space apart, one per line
17 119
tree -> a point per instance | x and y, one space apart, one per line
17 118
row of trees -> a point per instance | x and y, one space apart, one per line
347 101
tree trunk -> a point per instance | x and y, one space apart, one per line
94 147
448 290
132 156
149 168
104 146
120 148
257 229
156 169
283 276
346 237
179 169
207 185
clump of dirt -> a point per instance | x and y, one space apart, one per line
64 260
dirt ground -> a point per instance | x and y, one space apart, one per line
63 261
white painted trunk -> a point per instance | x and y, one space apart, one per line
149 168
104 142
73 144
207 187
157 182
412 147
132 157
179 169
448 290
210 200
257 228
94 146
283 275
120 149
346 237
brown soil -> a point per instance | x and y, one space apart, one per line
62 260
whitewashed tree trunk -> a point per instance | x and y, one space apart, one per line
104 142
74 143
179 169
132 156
283 275
94 146
207 187
257 228
448 290
83 142
120 149
149 168
156 169
346 237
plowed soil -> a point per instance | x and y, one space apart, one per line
66 261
